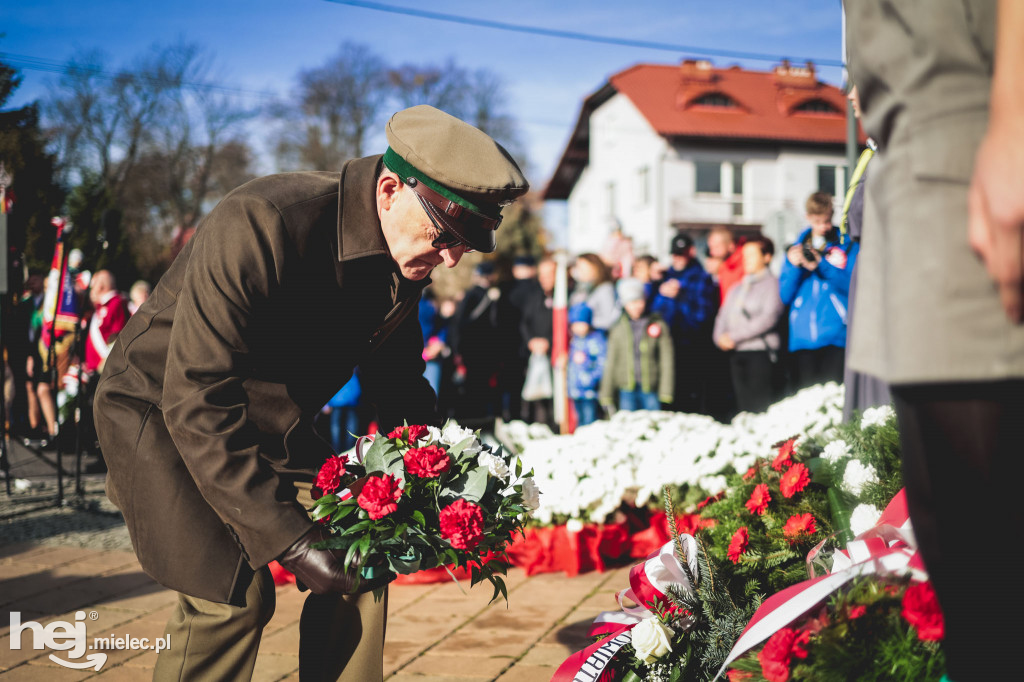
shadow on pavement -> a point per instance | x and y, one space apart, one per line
574 635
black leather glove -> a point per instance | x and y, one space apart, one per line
323 570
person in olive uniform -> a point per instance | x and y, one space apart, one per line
205 408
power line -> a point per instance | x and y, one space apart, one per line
586 37
50 66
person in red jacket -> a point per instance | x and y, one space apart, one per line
110 313
724 261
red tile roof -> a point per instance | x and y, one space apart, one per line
766 102
785 105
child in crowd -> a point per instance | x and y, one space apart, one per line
648 270
640 368
815 284
587 351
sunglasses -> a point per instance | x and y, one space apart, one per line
445 239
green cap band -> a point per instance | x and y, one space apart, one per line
397 164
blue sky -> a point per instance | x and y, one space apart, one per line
260 45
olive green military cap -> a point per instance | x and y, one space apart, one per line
461 176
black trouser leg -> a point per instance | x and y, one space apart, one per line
752 380
964 470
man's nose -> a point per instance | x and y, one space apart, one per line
452 255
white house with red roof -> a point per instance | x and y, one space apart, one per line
661 148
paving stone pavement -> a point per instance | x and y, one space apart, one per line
55 562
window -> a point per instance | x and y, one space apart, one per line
709 176
831 179
827 179
737 178
714 99
816 106
643 186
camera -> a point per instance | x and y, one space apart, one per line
810 255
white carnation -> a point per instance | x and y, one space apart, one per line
857 476
714 484
864 518
876 416
495 465
835 451
531 494
453 434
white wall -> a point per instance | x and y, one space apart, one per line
776 183
622 147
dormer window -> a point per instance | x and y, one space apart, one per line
714 99
816 106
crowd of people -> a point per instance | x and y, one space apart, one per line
76 337
707 337
714 337
710 337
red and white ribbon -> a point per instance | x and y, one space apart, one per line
355 455
649 583
888 548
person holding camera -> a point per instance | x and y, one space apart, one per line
815 284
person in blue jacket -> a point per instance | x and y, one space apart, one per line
815 284
588 350
687 300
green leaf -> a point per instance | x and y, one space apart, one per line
470 486
324 510
456 451
351 553
519 467
357 528
820 471
328 499
343 511
499 588
363 545
417 516
386 459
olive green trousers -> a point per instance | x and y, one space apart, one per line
341 637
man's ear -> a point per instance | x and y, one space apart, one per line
388 185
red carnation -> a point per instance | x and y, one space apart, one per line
799 524
379 495
921 609
759 499
784 458
428 462
738 544
794 480
462 524
329 477
779 650
751 472
416 431
738 675
857 611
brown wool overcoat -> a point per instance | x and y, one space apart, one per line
205 408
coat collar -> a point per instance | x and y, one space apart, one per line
359 231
